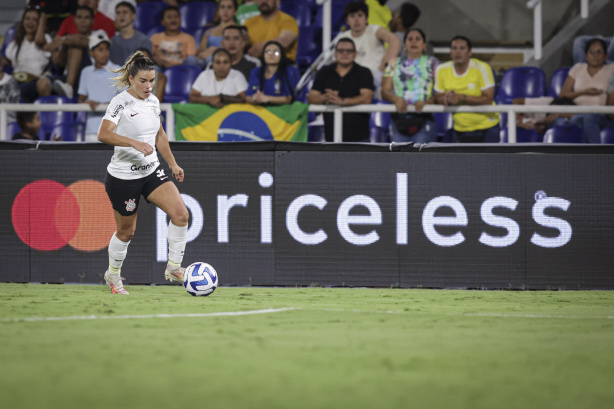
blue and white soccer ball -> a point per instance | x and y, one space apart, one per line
200 279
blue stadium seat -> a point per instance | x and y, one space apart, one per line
380 125
315 133
149 15
521 82
198 34
11 129
196 14
50 119
444 126
564 134
155 30
9 35
309 45
179 80
70 132
336 16
557 81
523 135
302 12
607 136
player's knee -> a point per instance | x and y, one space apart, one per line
125 234
181 217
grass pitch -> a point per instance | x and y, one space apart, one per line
77 346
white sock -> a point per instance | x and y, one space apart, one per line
176 244
117 253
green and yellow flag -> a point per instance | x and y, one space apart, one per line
241 122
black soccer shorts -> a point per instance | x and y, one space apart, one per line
126 193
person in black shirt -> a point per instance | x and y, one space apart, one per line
29 124
344 83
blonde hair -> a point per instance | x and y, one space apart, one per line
137 62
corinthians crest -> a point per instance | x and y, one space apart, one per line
130 205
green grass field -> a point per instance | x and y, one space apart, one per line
313 348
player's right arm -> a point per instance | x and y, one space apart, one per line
106 135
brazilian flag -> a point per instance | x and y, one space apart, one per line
241 122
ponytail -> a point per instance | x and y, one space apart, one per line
137 62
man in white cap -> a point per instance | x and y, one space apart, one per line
96 83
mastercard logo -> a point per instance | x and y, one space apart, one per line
48 215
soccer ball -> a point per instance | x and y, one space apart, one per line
200 279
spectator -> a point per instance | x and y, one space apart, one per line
344 83
96 84
54 12
370 40
160 79
9 91
246 11
274 82
220 85
610 101
27 57
128 39
272 25
379 13
540 122
212 38
172 46
410 81
579 48
29 125
467 81
70 51
586 84
101 22
233 41
404 18
109 8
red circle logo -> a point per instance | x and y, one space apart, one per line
48 215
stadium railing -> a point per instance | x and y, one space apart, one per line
338 111
4 108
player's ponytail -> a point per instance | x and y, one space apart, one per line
137 62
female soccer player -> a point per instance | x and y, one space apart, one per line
132 125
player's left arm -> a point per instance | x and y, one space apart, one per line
165 150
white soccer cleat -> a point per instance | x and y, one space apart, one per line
175 275
115 282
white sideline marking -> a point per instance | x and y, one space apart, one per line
127 317
361 311
486 314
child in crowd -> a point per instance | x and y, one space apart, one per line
96 83
172 46
29 125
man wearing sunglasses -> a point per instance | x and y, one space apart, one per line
344 83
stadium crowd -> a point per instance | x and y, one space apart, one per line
255 51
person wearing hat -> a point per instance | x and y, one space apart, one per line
96 82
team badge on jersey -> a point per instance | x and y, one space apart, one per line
130 205
156 111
